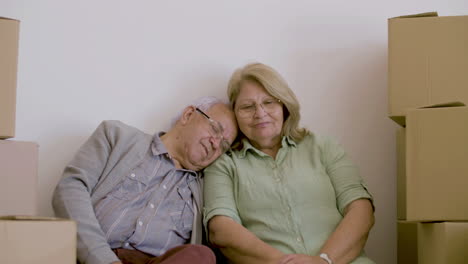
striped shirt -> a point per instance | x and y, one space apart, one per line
151 209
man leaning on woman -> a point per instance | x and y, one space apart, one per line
280 195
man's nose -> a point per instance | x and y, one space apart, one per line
216 140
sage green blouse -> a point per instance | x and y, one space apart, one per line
292 203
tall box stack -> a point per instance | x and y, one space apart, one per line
24 238
18 160
427 91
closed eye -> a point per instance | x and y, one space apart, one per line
217 128
246 107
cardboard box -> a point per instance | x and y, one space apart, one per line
37 240
427 62
433 165
445 242
407 242
18 176
9 35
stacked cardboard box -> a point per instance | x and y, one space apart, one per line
27 240
9 33
18 173
32 239
428 90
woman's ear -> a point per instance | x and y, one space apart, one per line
187 114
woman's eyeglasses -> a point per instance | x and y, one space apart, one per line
268 105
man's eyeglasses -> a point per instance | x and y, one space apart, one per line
269 105
217 130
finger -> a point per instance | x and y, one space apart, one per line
286 259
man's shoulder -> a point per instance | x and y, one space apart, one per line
118 130
118 126
110 124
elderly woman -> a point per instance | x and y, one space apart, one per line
283 194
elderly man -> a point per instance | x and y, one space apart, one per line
136 197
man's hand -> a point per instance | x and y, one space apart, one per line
301 259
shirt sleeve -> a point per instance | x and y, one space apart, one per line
219 192
344 175
72 196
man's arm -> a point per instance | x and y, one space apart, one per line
239 244
72 196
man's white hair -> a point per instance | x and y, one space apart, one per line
203 103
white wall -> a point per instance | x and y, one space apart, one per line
139 61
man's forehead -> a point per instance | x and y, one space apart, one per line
223 114
220 111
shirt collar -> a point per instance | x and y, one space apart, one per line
158 148
286 141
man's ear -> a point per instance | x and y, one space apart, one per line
187 114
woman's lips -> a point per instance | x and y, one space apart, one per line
262 124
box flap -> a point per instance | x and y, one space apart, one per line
449 104
401 120
7 18
426 14
30 218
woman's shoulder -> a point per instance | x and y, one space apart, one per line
325 144
225 161
317 139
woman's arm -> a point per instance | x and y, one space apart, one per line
240 245
350 236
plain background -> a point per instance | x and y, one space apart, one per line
84 61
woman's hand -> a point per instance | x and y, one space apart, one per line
301 259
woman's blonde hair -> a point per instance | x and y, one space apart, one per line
277 87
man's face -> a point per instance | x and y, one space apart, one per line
204 136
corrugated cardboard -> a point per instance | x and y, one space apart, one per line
427 62
37 240
445 242
18 177
407 242
433 165
9 35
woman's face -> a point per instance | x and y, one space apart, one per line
259 115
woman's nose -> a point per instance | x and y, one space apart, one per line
259 111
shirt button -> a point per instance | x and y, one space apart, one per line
127 244
140 223
132 175
152 206
298 239
165 187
